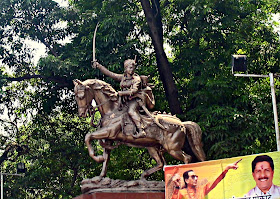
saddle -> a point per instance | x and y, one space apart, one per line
129 128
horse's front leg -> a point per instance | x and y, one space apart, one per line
99 134
103 133
106 156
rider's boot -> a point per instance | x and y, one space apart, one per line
137 121
120 104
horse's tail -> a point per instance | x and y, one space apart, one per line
193 138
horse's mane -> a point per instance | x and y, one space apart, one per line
104 87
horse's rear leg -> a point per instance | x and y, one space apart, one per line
157 155
180 155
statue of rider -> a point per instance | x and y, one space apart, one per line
131 85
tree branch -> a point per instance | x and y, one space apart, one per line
56 79
11 147
153 17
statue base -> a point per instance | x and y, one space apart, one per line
101 188
99 184
135 195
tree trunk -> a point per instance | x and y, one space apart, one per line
153 17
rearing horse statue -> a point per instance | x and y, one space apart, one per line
172 135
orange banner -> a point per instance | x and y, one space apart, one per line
251 177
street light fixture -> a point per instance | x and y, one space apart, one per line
239 64
21 168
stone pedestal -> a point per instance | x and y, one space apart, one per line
106 188
150 195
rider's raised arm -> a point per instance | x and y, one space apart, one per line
105 71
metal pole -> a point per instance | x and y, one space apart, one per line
2 181
2 184
274 110
249 75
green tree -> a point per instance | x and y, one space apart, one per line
42 128
229 109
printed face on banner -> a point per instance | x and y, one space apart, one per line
263 175
192 180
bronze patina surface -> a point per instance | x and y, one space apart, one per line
117 126
126 119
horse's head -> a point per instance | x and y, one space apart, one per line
83 98
103 94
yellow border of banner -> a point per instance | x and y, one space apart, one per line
236 183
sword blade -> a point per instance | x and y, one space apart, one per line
93 43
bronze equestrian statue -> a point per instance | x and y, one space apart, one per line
157 132
122 123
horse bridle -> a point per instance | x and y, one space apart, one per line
88 106
91 109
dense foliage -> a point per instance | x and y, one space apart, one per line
40 126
